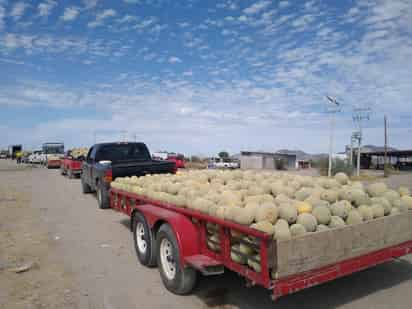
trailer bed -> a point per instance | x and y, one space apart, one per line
286 266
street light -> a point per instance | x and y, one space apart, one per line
332 111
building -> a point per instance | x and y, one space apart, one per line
266 160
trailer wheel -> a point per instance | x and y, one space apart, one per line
177 279
144 241
85 187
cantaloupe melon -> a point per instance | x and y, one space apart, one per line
329 195
303 207
376 189
322 214
354 217
383 202
281 230
404 191
366 212
245 249
267 212
308 221
395 211
244 215
406 201
377 210
336 222
297 229
288 212
342 178
264 226
255 263
321 228
236 257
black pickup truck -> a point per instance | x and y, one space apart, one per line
106 161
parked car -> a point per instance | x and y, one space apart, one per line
106 161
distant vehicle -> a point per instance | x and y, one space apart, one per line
3 154
52 154
107 161
223 163
13 150
178 159
160 155
25 157
36 157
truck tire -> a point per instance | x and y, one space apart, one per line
102 197
177 279
144 241
85 187
70 174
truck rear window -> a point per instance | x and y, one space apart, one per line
123 153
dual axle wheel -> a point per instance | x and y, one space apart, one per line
162 249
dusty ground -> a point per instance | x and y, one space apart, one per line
83 258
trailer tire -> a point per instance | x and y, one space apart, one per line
102 197
144 241
85 187
177 279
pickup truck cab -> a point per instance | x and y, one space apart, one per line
106 161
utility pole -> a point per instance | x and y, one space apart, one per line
385 160
360 114
332 111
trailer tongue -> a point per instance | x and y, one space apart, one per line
176 238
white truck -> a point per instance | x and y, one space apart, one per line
223 163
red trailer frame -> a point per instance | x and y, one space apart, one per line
71 167
190 229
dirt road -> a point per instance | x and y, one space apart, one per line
85 259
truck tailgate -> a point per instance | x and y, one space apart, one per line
142 168
316 250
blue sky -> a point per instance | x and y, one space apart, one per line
201 76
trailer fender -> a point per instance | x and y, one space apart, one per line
187 234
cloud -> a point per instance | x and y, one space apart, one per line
2 15
174 59
18 10
283 4
126 19
101 17
89 4
183 24
256 7
70 13
46 7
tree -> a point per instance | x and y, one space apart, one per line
223 155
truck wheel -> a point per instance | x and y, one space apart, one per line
177 279
70 173
102 198
144 241
85 187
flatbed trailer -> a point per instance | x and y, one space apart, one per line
71 167
175 239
